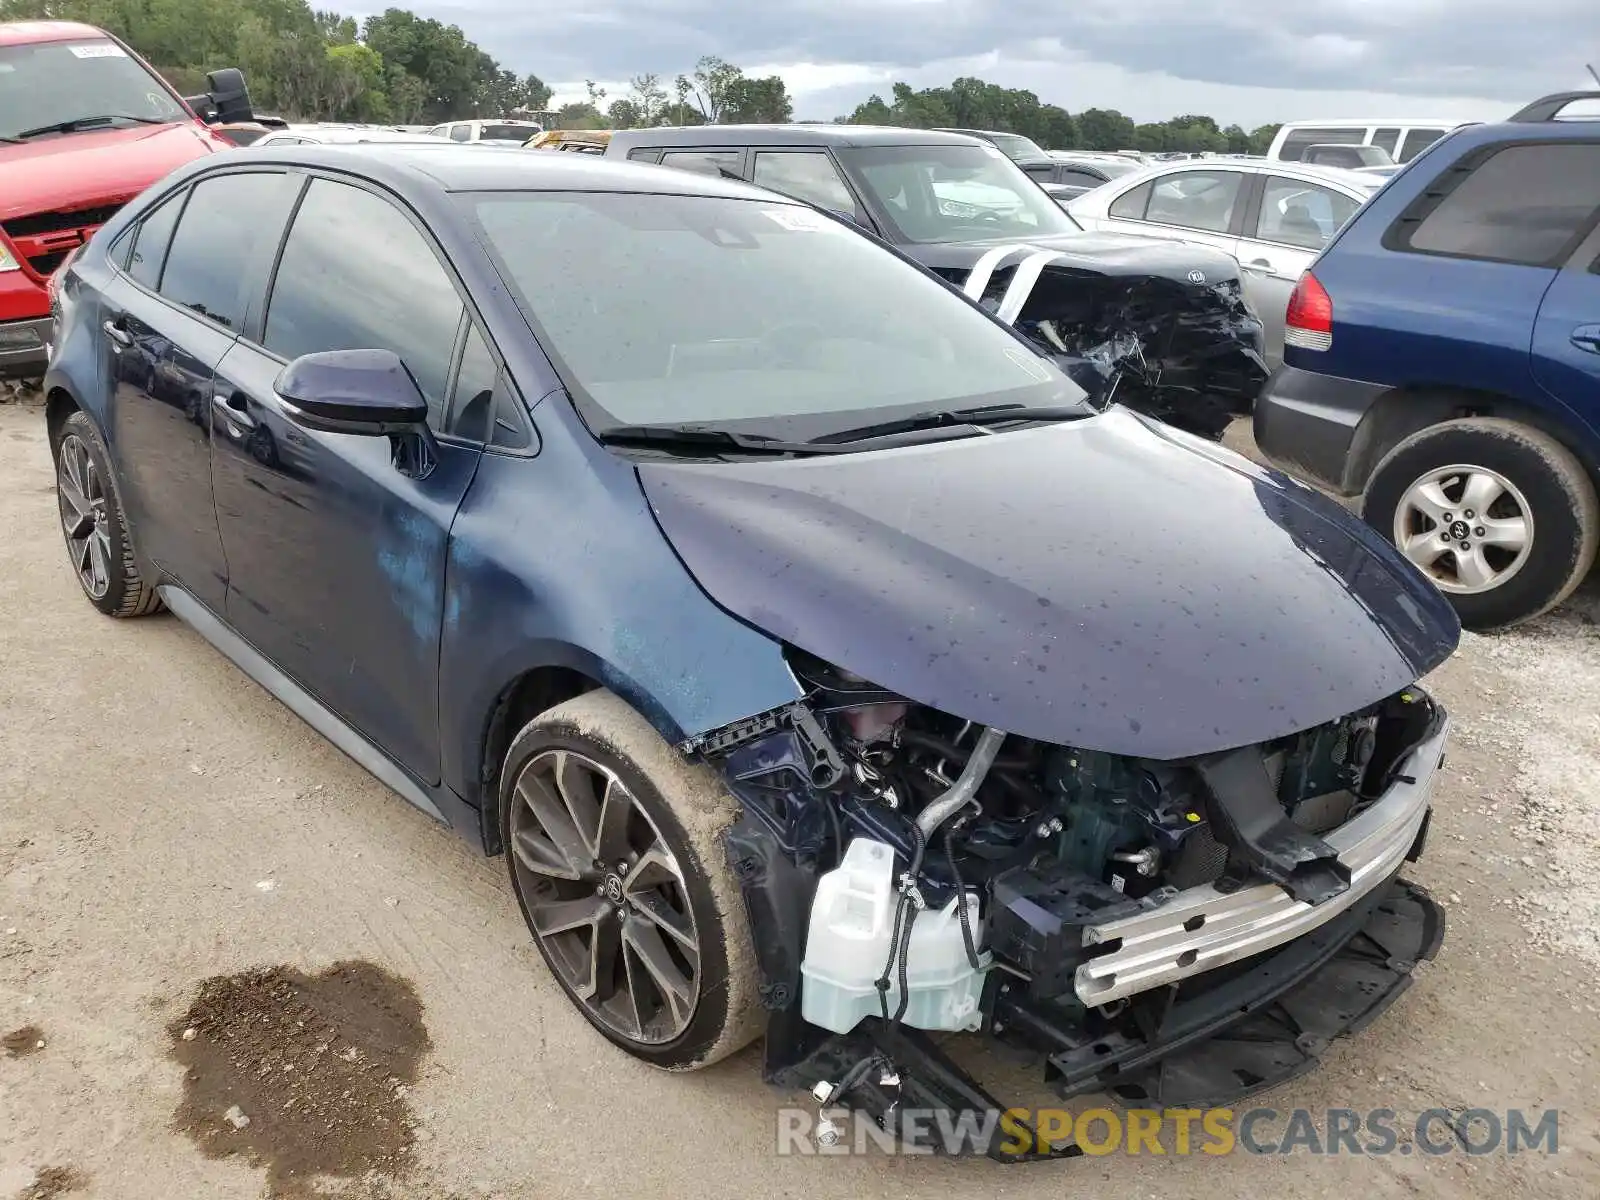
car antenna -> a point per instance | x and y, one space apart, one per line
1592 71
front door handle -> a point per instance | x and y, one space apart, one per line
1587 337
119 336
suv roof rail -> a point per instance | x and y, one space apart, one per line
1550 107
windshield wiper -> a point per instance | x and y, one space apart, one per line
987 414
714 441
78 123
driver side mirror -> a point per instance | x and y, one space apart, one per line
362 392
227 102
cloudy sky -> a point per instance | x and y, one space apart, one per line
1250 61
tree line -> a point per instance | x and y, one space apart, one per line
970 103
306 63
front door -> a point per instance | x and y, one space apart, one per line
1566 337
336 556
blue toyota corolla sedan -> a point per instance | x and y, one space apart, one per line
826 665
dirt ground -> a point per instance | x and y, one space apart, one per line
196 892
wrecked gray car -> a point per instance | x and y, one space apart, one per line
1161 327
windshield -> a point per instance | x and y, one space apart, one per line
47 83
1017 147
751 316
954 193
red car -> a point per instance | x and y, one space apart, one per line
85 125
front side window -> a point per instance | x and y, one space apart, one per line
460 133
357 275
225 220
1522 204
805 175
1294 213
151 240
1201 200
952 193
93 82
704 162
757 316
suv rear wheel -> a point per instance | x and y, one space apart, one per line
1500 516
614 844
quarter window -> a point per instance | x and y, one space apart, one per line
225 220
806 176
1522 204
1418 140
151 239
1196 200
1387 140
357 275
1130 206
1294 213
472 399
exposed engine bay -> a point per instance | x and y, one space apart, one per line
907 872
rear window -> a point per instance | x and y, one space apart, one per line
1521 204
1296 141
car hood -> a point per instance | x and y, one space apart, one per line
1105 583
79 170
1102 253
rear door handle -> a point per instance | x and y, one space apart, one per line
114 330
1587 337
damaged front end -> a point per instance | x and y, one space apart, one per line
1164 329
1175 933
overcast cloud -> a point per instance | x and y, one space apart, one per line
1250 61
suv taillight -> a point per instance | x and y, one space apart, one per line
1309 321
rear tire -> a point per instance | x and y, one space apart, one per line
614 845
1500 516
93 524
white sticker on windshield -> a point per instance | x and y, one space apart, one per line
99 50
799 220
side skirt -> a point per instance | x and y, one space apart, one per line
313 712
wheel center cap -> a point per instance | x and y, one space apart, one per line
1459 530
613 887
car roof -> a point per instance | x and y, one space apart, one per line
24 33
1363 122
1344 177
453 167
787 135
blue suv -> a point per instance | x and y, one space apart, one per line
1443 363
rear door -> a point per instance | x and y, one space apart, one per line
1566 337
170 318
336 555
1286 230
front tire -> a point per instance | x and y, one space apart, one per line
614 846
93 524
1501 517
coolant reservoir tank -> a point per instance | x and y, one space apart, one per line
850 940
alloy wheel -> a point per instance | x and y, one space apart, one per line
1468 528
85 519
605 896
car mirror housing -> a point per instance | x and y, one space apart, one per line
228 100
353 391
